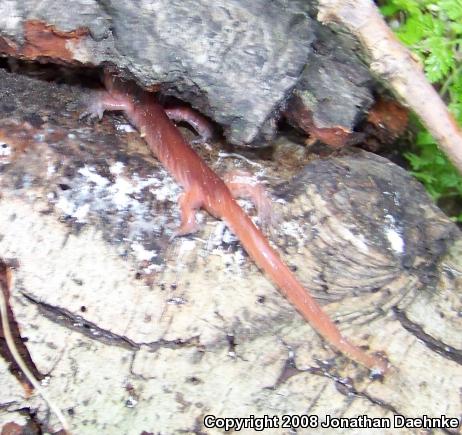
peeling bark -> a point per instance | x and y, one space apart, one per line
236 61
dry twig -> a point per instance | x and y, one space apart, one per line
5 279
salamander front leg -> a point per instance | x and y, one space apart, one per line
189 202
99 102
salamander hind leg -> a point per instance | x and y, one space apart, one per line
246 186
198 122
190 201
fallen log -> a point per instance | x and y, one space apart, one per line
137 333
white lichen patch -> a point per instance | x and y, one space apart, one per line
81 212
165 187
117 168
393 234
228 236
234 258
66 206
220 234
51 169
121 191
104 194
141 253
291 228
91 195
395 239
90 173
186 246
239 257
294 230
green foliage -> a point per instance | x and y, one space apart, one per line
433 31
431 167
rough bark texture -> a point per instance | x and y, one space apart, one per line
236 61
333 91
139 333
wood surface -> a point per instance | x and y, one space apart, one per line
137 333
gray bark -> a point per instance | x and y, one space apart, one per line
236 61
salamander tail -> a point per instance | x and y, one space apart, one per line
259 249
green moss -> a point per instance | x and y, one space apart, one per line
433 31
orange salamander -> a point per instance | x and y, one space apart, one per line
204 189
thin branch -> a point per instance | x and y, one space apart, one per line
17 357
393 63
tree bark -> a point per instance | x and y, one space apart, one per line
236 61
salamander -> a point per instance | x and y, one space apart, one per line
204 189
